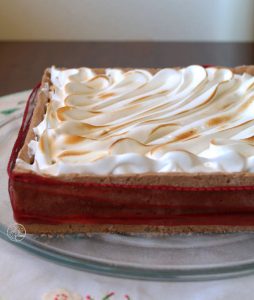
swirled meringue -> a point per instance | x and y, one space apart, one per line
176 120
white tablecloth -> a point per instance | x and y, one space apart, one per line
27 277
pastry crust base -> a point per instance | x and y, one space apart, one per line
131 229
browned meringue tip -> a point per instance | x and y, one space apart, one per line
72 153
191 133
245 106
106 95
60 112
74 139
98 77
249 140
160 131
131 141
218 121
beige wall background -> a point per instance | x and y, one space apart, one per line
156 20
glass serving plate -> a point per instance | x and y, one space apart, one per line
176 257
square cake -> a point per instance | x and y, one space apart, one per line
136 150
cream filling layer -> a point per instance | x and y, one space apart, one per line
187 120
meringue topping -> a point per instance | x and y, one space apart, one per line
192 119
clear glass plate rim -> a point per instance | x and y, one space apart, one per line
110 269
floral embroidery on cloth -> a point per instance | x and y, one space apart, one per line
62 294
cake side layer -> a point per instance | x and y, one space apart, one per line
117 205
